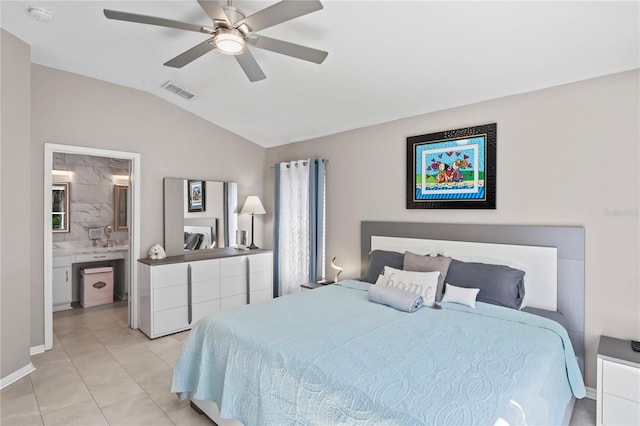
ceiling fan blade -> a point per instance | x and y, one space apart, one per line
289 49
250 66
213 10
152 20
192 54
279 12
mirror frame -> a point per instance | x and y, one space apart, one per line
117 225
66 213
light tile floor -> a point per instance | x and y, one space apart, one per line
101 372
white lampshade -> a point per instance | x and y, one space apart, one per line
253 205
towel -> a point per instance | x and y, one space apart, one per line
394 297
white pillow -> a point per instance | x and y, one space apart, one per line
423 283
464 296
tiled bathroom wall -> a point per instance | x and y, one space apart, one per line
92 191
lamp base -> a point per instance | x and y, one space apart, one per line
253 247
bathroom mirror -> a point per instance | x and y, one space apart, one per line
212 226
60 207
120 209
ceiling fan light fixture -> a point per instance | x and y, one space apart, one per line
229 41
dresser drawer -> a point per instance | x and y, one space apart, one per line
227 303
170 321
233 266
260 296
62 261
204 309
94 257
205 290
621 380
261 262
169 275
169 297
233 286
205 270
261 280
619 411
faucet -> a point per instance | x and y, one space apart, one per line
107 232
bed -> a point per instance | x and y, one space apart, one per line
329 356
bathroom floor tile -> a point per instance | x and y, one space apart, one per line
113 387
81 414
139 410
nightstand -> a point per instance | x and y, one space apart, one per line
312 285
618 393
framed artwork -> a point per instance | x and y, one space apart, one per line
454 169
196 196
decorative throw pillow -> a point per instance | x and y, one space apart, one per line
378 259
498 284
418 263
423 283
192 241
462 295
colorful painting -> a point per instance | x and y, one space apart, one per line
196 196
454 169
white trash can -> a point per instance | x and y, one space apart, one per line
96 286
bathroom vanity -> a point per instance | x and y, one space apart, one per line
67 263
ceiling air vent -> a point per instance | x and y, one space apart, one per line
180 91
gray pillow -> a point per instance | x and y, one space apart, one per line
498 284
418 263
378 259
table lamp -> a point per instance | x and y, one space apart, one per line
252 206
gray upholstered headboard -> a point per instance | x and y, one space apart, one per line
569 241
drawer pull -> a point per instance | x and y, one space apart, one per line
99 257
189 309
67 276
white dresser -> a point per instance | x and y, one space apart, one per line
178 291
618 371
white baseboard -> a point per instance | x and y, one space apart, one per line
591 393
35 350
16 375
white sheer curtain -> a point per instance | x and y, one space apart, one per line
293 250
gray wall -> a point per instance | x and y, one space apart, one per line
75 110
15 181
566 156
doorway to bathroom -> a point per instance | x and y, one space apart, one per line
106 226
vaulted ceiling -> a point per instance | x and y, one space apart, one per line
387 59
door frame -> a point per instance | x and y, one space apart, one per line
134 231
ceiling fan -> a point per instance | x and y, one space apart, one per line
232 31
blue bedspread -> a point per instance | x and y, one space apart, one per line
330 356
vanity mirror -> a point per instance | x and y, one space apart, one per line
212 226
120 211
60 207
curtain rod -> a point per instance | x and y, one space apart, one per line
324 160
